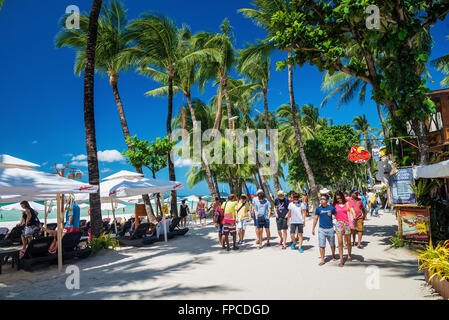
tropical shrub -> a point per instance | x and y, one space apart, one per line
105 241
398 242
435 260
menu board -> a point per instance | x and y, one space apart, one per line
401 191
415 223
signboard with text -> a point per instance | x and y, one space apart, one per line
415 223
401 191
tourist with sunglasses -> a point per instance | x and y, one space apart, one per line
325 214
342 227
297 221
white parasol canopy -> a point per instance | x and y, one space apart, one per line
16 206
124 175
128 188
13 162
437 170
191 198
21 181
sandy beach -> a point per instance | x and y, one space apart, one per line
194 267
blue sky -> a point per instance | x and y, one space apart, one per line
42 99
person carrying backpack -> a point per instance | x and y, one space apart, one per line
31 223
218 218
229 227
281 210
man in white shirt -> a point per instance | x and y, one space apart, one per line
297 220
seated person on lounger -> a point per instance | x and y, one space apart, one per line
151 230
31 222
160 225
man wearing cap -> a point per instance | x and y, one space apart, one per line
360 215
262 212
281 211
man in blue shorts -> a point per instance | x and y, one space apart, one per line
325 213
262 213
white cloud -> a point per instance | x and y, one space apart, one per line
105 170
103 156
180 162
110 156
79 163
79 157
44 163
34 142
68 155
59 166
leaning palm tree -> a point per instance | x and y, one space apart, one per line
219 69
111 43
89 120
185 78
255 64
159 43
262 15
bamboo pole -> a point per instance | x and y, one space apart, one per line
163 220
45 217
113 215
58 210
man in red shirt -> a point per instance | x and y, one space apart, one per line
360 215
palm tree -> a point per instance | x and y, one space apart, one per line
89 120
347 87
1 3
111 43
262 15
368 135
224 60
159 43
255 64
442 65
186 77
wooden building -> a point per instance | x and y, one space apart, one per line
438 124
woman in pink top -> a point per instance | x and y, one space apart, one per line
342 228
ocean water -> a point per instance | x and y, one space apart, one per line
13 215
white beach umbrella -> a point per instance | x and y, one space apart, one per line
13 162
128 188
124 175
21 181
16 206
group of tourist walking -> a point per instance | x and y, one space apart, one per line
343 215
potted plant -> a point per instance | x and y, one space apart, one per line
435 263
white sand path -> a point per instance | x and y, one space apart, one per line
194 267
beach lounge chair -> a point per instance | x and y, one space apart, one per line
37 251
3 233
13 237
175 229
135 239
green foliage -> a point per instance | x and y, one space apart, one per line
426 191
105 241
435 260
399 243
327 150
153 155
325 33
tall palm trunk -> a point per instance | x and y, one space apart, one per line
271 142
171 165
382 121
217 190
89 120
219 110
420 129
113 81
209 181
228 102
313 187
